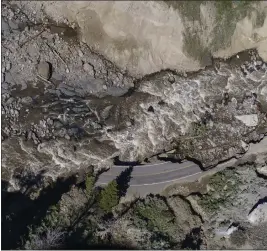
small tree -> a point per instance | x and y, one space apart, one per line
109 197
89 184
47 240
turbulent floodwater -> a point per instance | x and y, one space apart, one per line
87 116
199 115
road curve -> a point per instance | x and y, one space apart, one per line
152 175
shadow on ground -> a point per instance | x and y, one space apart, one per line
123 181
19 211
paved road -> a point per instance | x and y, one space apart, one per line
154 174
154 178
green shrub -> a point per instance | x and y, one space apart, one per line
157 215
224 187
109 197
89 184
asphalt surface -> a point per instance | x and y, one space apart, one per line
155 178
152 175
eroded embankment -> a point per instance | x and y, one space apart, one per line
85 114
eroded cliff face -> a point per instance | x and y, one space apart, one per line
90 111
147 36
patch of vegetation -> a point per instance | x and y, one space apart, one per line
73 224
109 197
222 7
260 19
193 240
222 188
193 46
53 218
198 129
89 184
228 13
50 234
157 215
188 9
47 240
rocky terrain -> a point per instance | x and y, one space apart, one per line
222 211
70 110
88 111
231 204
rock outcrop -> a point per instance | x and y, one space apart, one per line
259 214
232 206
